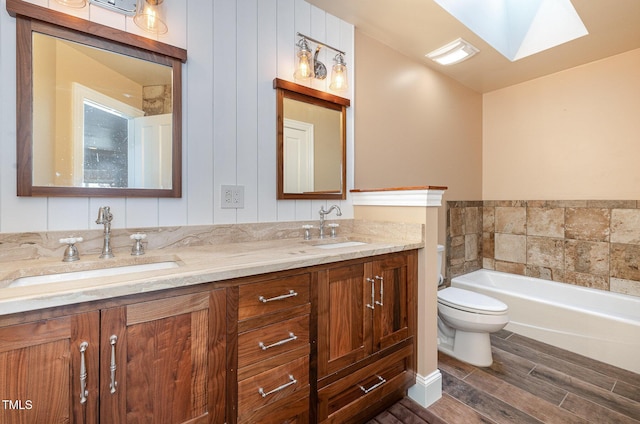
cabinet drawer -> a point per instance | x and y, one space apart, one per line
274 295
272 340
354 393
293 409
273 385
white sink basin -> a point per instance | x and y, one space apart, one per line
92 273
339 244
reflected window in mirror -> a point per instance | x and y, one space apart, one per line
311 140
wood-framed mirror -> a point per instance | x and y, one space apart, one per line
98 110
311 142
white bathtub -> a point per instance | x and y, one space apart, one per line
594 323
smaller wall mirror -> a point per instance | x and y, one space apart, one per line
96 116
311 142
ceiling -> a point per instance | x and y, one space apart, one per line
417 27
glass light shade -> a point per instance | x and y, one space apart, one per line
150 16
339 78
78 4
304 70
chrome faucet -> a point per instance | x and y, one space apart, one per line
323 213
105 217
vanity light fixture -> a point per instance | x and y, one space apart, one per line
150 16
454 52
78 4
307 67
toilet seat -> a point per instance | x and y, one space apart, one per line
468 301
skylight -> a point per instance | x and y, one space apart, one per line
518 28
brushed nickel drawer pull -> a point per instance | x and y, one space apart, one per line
375 386
112 368
291 382
372 305
83 373
291 338
291 293
381 290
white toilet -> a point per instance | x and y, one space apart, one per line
465 320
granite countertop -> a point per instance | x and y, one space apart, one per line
196 264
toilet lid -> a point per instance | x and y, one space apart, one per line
470 301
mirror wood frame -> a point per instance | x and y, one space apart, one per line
290 90
29 18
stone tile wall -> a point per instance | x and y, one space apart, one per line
464 238
588 243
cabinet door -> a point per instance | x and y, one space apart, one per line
394 299
344 320
168 361
40 371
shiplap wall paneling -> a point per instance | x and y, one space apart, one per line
267 55
225 100
247 109
197 186
235 49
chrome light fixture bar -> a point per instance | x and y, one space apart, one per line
454 52
126 7
305 70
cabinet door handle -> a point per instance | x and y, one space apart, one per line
375 386
381 290
291 338
83 373
291 293
112 386
291 382
372 305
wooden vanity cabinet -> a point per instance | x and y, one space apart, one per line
40 370
166 365
168 359
273 347
366 329
333 343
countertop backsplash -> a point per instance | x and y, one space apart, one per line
34 245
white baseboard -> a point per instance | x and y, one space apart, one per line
427 389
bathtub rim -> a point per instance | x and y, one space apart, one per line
616 315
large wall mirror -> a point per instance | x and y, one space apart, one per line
311 143
96 117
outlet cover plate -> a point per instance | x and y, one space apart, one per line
232 197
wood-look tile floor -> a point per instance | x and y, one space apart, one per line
529 382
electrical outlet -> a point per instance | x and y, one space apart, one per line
232 197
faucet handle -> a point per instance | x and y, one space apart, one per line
137 249
307 231
334 227
71 252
